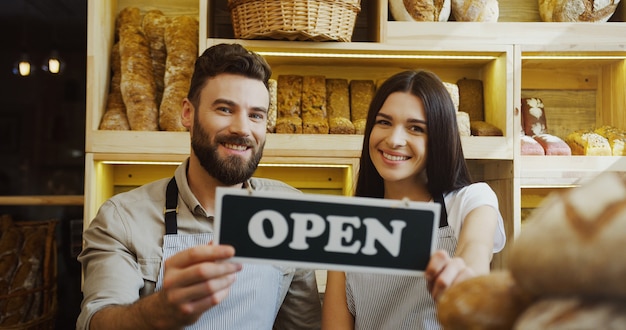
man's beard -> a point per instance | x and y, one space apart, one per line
230 170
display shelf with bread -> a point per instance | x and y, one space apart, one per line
577 69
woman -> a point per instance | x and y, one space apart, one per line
412 149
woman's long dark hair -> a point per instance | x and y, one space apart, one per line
446 169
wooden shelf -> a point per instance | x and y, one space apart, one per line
563 171
42 200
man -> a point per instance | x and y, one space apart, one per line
144 269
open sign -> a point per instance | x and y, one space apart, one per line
327 232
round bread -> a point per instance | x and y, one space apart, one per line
573 313
420 10
492 301
573 243
475 10
577 10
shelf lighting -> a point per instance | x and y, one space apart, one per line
573 57
379 56
134 162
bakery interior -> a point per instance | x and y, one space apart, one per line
60 163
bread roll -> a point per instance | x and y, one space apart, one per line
338 106
572 244
114 117
492 301
616 138
271 111
153 26
530 146
475 10
584 142
181 42
314 115
577 10
137 84
567 313
553 145
420 10
533 117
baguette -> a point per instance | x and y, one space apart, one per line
114 117
181 43
137 85
153 26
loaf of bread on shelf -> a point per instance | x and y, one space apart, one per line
616 138
530 147
272 85
475 10
577 10
361 94
114 117
338 106
492 301
533 116
453 90
462 120
553 145
314 115
471 98
153 25
483 128
420 10
181 42
137 84
289 104
588 143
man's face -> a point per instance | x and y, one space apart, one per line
228 131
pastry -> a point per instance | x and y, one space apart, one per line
553 145
530 146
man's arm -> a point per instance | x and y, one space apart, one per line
194 280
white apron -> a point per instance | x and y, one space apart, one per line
254 298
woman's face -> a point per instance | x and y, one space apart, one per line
398 142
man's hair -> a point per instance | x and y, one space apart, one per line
226 58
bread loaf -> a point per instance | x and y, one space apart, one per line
137 84
181 42
572 244
483 128
530 146
475 10
533 117
553 145
616 138
289 101
114 117
585 142
471 98
153 26
361 94
577 10
271 111
420 10
338 106
462 120
566 313
314 115
453 90
492 301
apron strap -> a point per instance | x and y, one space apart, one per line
171 207
443 218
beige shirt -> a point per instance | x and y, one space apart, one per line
122 251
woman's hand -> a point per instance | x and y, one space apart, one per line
444 271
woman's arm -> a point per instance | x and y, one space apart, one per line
335 313
473 253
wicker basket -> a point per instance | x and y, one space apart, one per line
316 20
